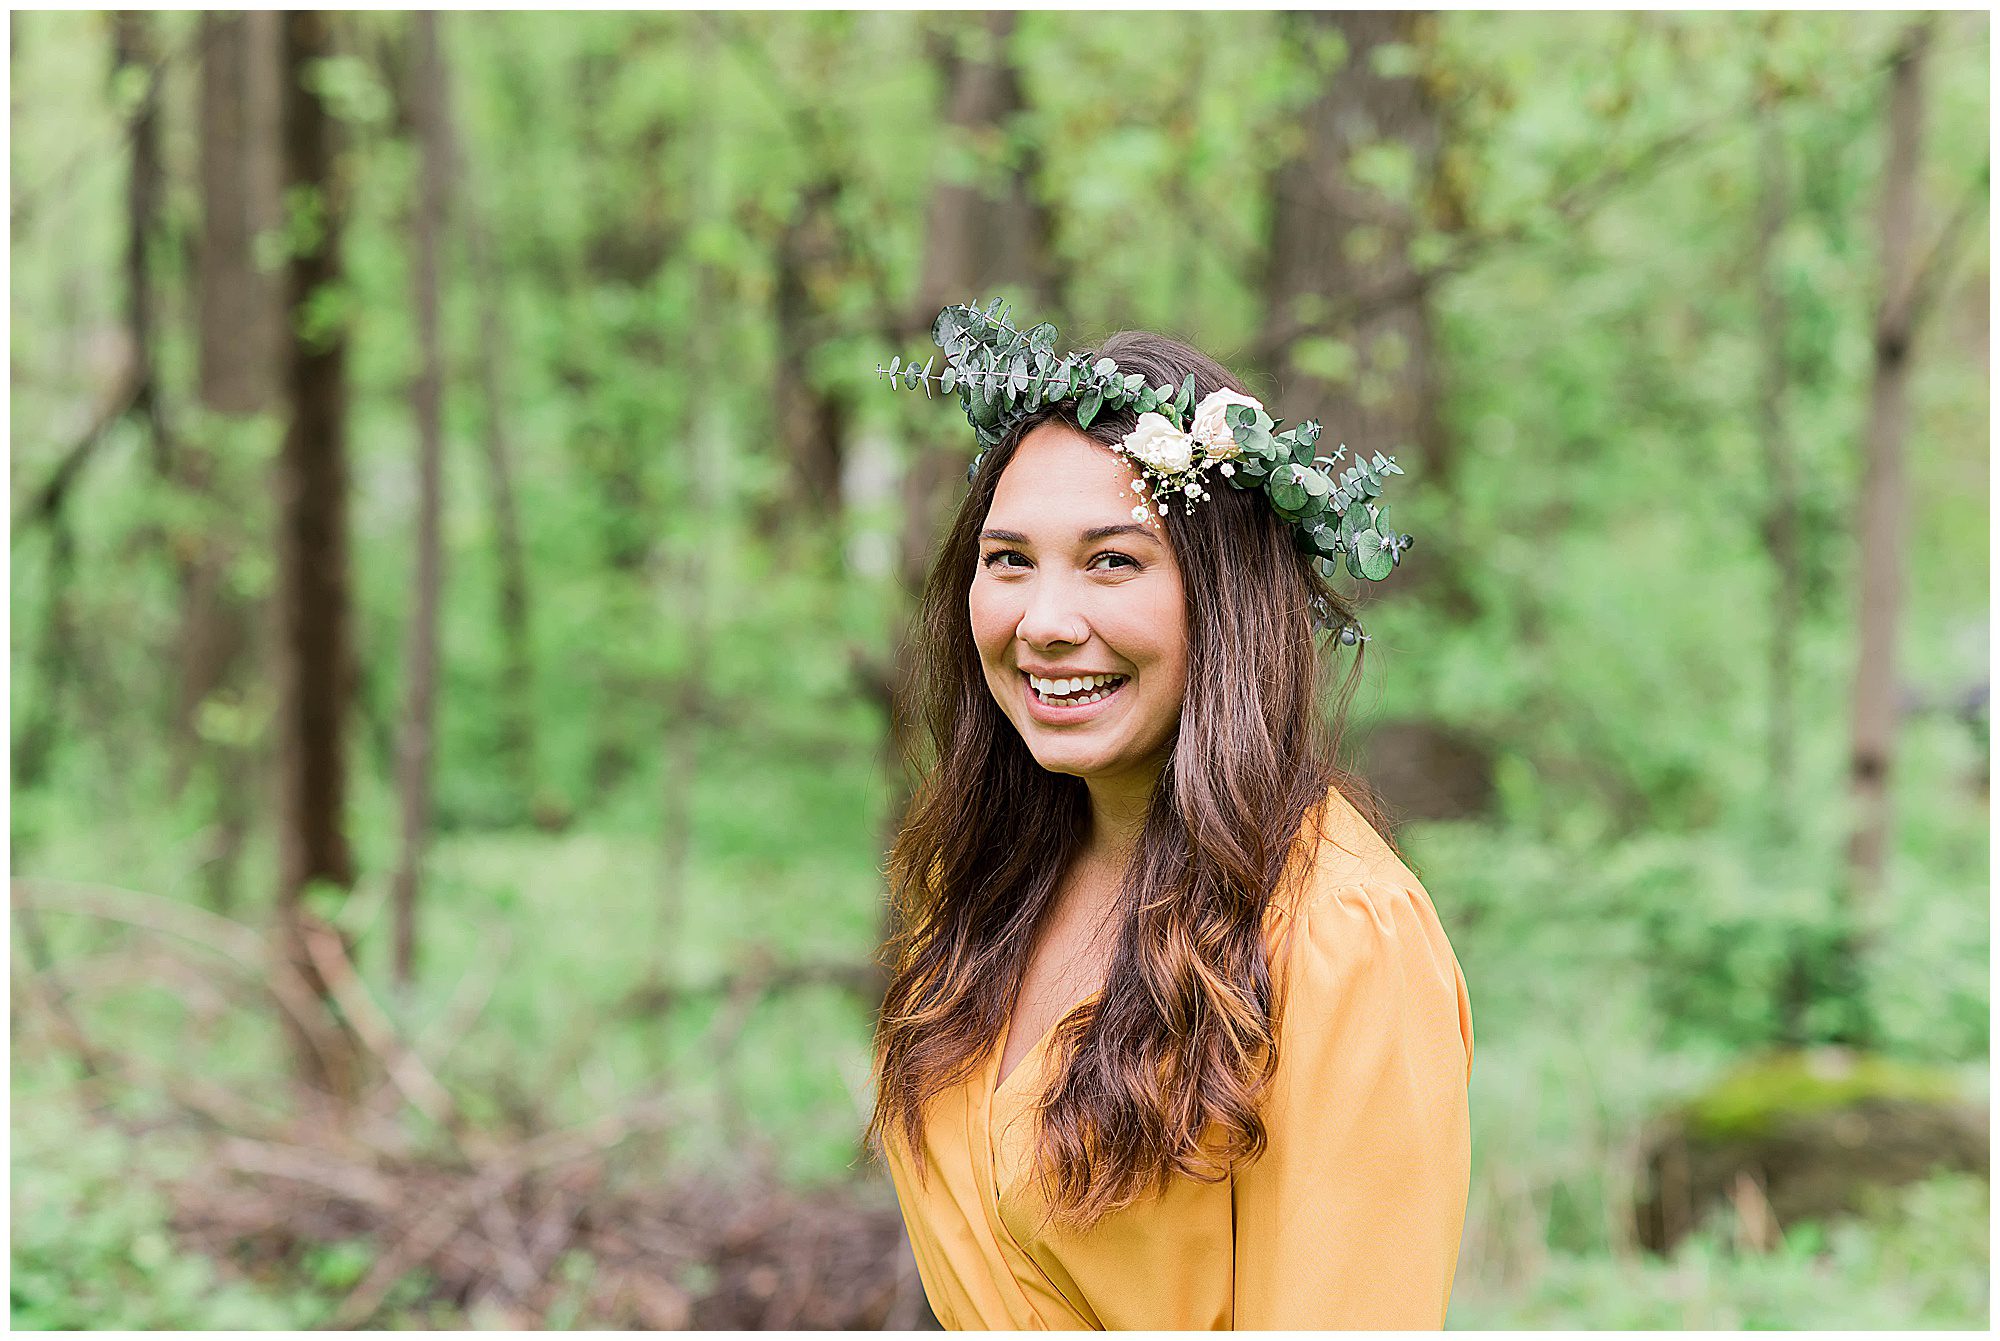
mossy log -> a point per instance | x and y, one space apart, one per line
1804 1136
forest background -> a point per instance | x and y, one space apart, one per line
460 552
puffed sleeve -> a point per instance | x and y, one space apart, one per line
1351 1217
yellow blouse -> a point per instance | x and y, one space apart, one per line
1349 1219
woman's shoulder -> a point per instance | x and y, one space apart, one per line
1353 921
1337 850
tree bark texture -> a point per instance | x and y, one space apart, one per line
316 670
1332 234
812 421
978 236
1882 502
134 56
416 745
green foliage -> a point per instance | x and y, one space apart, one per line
1917 1263
92 1244
1642 906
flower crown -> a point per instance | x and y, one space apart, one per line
1002 376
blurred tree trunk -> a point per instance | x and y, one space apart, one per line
428 102
1881 503
239 326
1371 377
1781 517
240 320
811 421
136 61
978 236
316 672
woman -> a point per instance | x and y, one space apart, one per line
1174 1038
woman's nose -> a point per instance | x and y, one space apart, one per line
1051 614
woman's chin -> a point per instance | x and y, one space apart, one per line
1082 763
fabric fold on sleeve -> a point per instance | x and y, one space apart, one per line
1352 1216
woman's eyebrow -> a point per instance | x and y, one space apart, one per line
1083 538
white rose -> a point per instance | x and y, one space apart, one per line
1212 430
1155 442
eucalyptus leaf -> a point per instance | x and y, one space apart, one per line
1375 559
1087 411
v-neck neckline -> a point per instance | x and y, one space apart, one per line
997 1083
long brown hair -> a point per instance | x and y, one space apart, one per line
1183 1034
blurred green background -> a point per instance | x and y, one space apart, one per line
1677 323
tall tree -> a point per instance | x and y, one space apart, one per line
238 325
979 234
1882 502
316 671
1335 233
136 62
429 101
1349 327
812 421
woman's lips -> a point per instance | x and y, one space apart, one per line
1056 714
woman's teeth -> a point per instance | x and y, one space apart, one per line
1071 693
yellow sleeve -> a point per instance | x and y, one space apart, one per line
1351 1217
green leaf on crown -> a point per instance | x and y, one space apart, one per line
1353 521
1184 403
1316 483
1148 400
1372 553
1253 439
1087 411
1286 493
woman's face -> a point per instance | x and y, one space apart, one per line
1070 586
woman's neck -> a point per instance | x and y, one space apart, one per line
1117 818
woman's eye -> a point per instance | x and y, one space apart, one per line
993 559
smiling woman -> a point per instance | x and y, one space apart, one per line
1174 1038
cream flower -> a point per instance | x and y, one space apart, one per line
1155 442
1211 429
